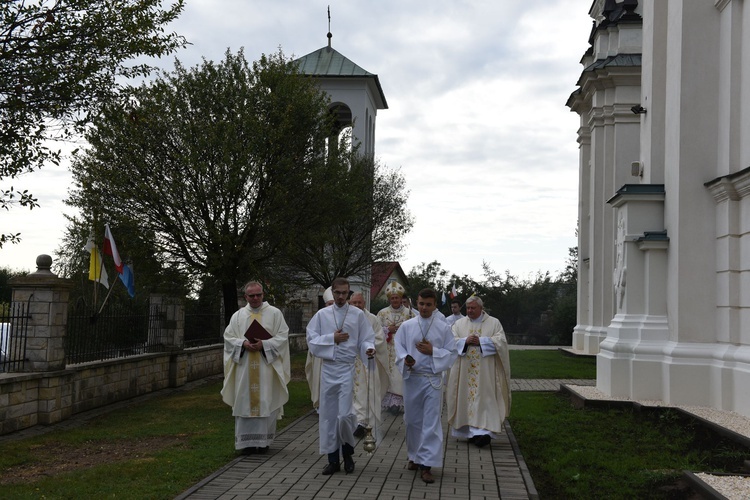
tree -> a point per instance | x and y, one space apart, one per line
58 60
425 275
219 166
367 223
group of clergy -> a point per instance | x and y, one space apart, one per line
360 364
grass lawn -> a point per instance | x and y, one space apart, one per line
608 453
154 449
550 364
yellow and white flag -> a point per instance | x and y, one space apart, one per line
97 272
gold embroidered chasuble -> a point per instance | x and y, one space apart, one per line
478 393
255 384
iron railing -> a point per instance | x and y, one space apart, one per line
203 329
14 323
116 331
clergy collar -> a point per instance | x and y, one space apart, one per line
480 319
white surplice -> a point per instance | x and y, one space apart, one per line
423 386
376 382
337 420
478 394
255 384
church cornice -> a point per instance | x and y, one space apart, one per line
730 187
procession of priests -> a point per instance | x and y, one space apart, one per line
360 364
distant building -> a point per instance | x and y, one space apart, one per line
664 211
384 273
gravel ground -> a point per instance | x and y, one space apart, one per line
732 487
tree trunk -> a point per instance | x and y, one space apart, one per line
229 292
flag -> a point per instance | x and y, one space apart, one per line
443 301
97 272
453 291
123 270
110 248
128 279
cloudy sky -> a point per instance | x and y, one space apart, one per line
476 123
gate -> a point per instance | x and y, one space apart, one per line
14 324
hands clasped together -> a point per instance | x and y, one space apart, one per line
472 340
253 346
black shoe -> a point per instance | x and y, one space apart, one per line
331 468
473 439
262 450
250 450
360 432
348 464
483 440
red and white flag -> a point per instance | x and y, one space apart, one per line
110 248
453 291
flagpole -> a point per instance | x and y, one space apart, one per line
108 294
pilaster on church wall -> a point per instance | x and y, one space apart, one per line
689 159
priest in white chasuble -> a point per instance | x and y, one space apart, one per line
256 372
370 378
478 393
337 335
391 318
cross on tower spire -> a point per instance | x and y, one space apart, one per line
329 27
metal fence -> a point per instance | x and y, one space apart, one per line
203 329
293 318
14 322
120 329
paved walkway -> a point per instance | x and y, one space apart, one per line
291 469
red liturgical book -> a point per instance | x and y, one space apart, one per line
256 332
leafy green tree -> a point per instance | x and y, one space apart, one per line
219 166
366 224
58 60
427 275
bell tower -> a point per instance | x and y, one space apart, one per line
356 94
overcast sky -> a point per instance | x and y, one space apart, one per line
477 121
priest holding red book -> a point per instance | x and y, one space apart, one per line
256 370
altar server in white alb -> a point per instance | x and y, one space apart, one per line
337 335
425 348
256 374
478 393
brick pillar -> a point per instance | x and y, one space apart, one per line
47 296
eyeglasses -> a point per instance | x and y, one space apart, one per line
253 295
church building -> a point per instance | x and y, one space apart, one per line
664 201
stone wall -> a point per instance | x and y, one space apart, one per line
30 399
